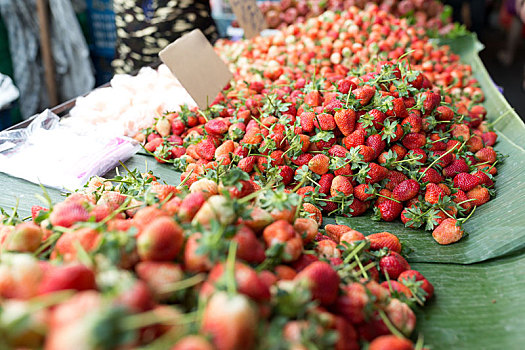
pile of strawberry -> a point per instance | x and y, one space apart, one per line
131 262
425 13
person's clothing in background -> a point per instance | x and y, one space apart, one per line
145 27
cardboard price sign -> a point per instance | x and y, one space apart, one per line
249 16
193 61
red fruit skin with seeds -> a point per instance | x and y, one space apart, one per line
323 282
465 181
406 190
393 264
77 277
161 240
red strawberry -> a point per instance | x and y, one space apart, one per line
206 149
325 183
433 193
355 139
161 240
377 143
319 164
341 186
384 239
344 86
152 145
367 152
484 179
231 321
324 121
376 173
190 206
489 138
351 305
445 158
480 195
307 121
394 179
77 277
249 248
447 232
360 192
331 106
357 207
323 282
414 140
390 342
465 181
252 136
159 275
337 151
457 166
192 342
217 126
444 113
66 246
282 232
406 190
393 264
364 94
35 211
399 110
378 118
313 98
345 120
389 209
407 275
431 175
486 155
66 214
25 237
414 121
431 101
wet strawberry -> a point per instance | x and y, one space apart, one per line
313 98
377 143
206 149
324 121
394 179
431 175
217 126
414 140
355 139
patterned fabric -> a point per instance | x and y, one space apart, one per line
145 27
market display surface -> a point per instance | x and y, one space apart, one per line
239 255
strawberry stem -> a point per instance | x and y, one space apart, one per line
180 285
230 269
185 179
354 252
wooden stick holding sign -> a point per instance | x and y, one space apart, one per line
249 16
193 61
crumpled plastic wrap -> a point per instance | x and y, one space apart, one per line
52 154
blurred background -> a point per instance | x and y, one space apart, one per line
54 50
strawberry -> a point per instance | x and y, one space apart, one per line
367 152
246 280
337 151
190 206
489 138
324 121
351 305
66 246
336 231
192 342
401 316
302 159
323 282
357 207
206 149
217 126
444 113
378 118
218 208
35 211
486 155
414 140
280 232
394 179
246 164
77 277
286 173
351 236
465 181
377 143
364 94
319 164
407 275
384 239
161 240
252 136
445 158
347 335
460 132
355 139
341 186
345 120
433 193
193 260
406 190
152 145
307 121
447 232
327 249
393 264
399 110
146 215
313 98
66 214
480 195
376 173
344 86
431 101
457 166
390 342
25 237
389 210
360 192
158 276
431 175
307 228
249 248
484 179
231 321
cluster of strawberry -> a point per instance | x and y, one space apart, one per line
129 261
425 13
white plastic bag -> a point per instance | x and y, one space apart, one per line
54 155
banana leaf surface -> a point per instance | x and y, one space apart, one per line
479 281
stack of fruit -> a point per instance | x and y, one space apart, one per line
217 265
